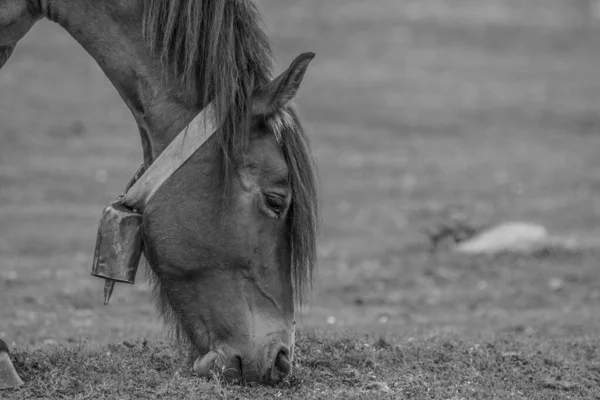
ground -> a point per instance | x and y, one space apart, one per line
419 114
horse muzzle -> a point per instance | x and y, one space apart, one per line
233 367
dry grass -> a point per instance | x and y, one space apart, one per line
515 366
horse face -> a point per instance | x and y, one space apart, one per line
222 251
16 20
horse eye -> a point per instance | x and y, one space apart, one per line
275 203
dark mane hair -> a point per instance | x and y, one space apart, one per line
219 48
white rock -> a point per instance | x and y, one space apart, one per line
519 237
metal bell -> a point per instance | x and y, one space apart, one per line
118 246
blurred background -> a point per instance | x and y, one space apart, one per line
427 117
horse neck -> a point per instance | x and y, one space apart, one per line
111 32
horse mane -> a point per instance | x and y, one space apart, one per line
219 48
216 47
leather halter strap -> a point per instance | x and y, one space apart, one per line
146 182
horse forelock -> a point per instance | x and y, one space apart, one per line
219 48
303 215
280 121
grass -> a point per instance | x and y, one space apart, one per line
515 366
420 114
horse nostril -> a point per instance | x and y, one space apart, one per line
281 366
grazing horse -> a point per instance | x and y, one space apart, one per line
230 237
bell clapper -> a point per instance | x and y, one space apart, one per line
109 285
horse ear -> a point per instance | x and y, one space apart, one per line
270 97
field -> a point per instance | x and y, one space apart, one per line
420 113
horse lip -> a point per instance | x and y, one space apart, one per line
204 364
